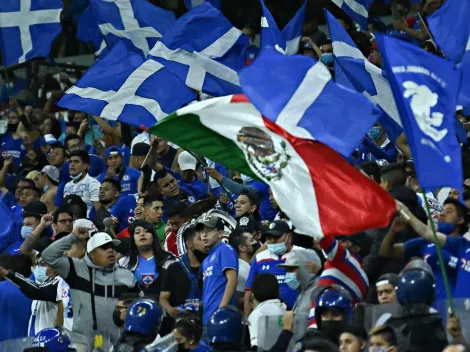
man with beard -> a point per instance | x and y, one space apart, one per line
11 143
108 197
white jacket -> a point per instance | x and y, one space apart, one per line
271 307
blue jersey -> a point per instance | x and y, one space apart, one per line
15 310
129 181
12 147
17 211
146 272
123 211
96 167
189 198
418 247
460 247
221 257
266 263
202 347
199 187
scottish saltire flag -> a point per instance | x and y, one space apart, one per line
193 3
124 86
451 30
286 41
137 23
426 87
298 94
28 28
357 10
88 31
204 50
363 75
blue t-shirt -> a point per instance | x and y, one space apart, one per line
9 199
202 347
146 273
460 247
96 167
221 257
123 211
418 247
199 187
129 181
15 310
17 211
266 210
190 199
12 147
266 263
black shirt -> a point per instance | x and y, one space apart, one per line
176 281
167 159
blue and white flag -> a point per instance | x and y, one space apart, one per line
204 50
298 94
426 87
124 86
363 75
28 28
193 3
137 23
286 41
451 30
88 31
357 10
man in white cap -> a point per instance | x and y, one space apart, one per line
188 165
96 281
47 182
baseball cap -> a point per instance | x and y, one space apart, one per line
48 139
113 150
100 239
210 221
187 161
52 172
389 278
248 224
35 208
291 261
140 149
277 228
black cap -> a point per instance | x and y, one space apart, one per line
35 208
140 149
248 224
73 199
409 197
277 228
389 278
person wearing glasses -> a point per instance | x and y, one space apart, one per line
63 221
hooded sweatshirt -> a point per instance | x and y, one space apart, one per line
94 290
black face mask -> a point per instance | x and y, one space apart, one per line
256 246
117 319
26 162
332 329
200 255
12 127
238 180
181 348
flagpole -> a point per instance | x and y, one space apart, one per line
428 32
450 303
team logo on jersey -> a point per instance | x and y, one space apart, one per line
126 178
65 293
244 221
82 187
148 279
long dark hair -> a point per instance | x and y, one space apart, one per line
159 254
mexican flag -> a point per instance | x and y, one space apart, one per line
316 188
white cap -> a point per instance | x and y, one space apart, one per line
98 240
88 224
52 172
187 161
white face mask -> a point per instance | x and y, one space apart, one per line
26 231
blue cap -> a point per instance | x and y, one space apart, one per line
114 149
48 139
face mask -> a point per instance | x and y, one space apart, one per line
200 255
380 349
181 347
76 177
12 127
40 273
26 162
277 248
117 319
45 188
374 133
327 59
256 246
445 227
291 281
26 231
332 329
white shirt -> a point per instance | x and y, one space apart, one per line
88 188
271 307
243 270
63 292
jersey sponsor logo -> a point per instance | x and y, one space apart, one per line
148 279
265 267
65 293
207 272
126 178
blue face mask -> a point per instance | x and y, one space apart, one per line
277 248
445 227
76 177
327 59
40 273
374 133
45 188
26 231
291 281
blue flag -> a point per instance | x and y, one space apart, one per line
136 23
10 230
204 50
425 87
298 94
357 10
363 75
125 87
193 3
286 41
88 31
451 30
28 28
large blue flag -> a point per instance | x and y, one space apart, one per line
298 93
357 10
125 87
10 229
286 41
425 87
88 31
204 50
137 23
363 75
451 30
28 28
193 3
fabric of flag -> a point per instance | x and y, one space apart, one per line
128 88
137 23
299 95
331 197
286 41
28 28
11 227
363 75
425 87
204 50
451 30
357 10
193 3
88 31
